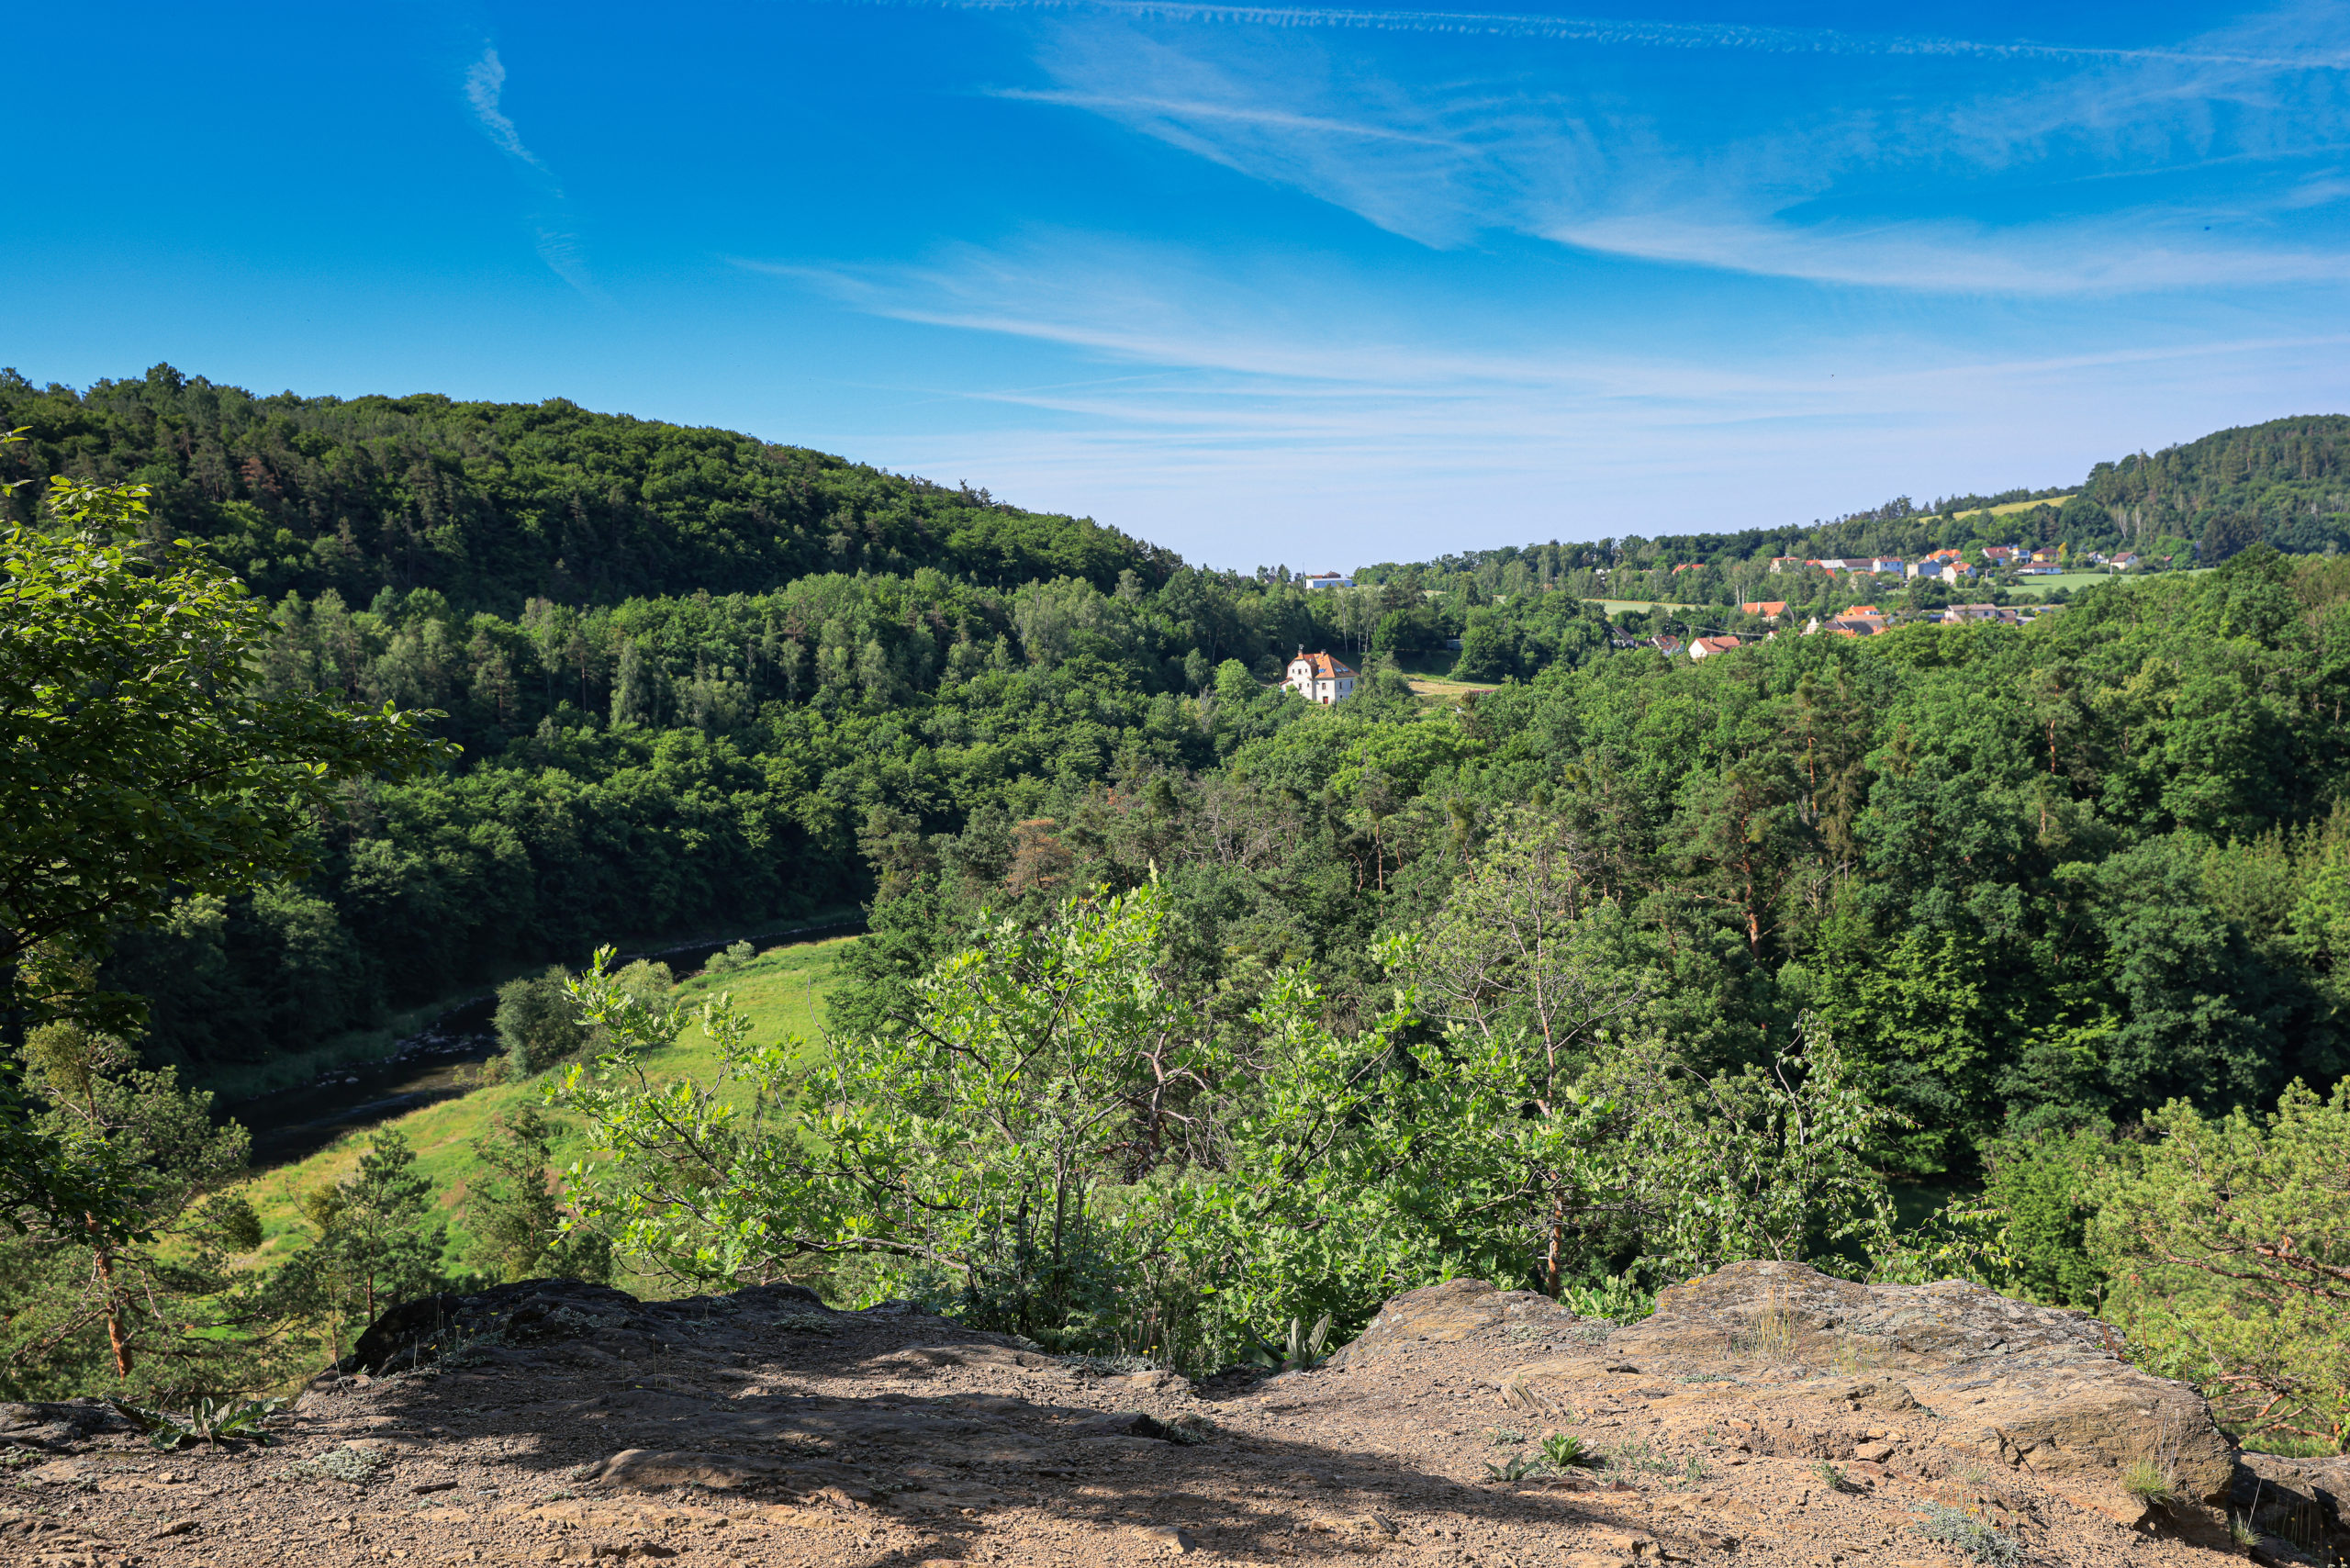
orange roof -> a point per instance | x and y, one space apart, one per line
1714 645
1866 610
1689 567
1325 667
1764 607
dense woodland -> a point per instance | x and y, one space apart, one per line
1994 896
701 681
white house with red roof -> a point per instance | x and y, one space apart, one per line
1320 679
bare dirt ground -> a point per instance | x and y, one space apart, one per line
565 1422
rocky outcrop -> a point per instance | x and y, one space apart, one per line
504 1323
1458 1311
1763 1417
59 1425
2034 1388
2302 1503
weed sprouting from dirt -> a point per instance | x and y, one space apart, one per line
1519 1467
1968 1536
357 1466
1562 1449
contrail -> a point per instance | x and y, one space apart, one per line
1624 34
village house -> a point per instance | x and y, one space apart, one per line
1706 647
1320 679
1666 644
1326 580
1769 608
1781 563
1959 615
1892 563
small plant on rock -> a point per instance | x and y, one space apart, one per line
2150 1483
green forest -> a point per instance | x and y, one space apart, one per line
2006 914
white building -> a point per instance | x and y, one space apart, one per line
1320 679
1326 581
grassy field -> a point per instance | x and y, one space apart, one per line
1431 676
2076 581
2012 508
782 990
1618 606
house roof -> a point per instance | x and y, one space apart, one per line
1764 607
1713 644
1323 666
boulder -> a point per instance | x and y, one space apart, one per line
2303 1501
544 1311
57 1425
1457 1309
2040 1388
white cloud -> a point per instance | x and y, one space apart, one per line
485 85
555 241
1888 188
1233 407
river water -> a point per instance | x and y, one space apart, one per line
434 1064
293 1122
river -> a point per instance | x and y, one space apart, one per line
429 1066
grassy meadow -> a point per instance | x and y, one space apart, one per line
782 990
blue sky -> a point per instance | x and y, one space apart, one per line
1315 286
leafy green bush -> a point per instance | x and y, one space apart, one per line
731 959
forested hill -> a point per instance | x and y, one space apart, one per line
494 504
2286 483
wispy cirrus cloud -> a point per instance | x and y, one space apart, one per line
558 246
1283 391
2286 51
1883 181
484 85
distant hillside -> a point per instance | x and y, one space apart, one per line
2286 482
492 504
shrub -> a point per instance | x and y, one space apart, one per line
1968 1536
734 956
2229 1243
537 1022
